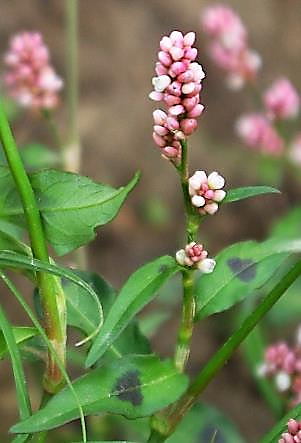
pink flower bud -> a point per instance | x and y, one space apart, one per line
156 96
160 130
189 39
177 68
177 110
165 44
188 88
160 69
175 88
172 123
159 140
159 117
293 426
177 38
165 58
177 53
196 111
186 77
191 53
190 102
188 125
171 100
170 151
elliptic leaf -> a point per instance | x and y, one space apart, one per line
241 268
134 386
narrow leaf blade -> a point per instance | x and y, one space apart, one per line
139 290
237 194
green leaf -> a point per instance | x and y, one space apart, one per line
150 323
241 268
19 376
38 156
72 206
10 238
139 290
288 226
201 424
134 386
83 313
11 259
237 194
21 334
274 434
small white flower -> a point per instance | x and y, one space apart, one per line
198 201
216 181
160 83
282 381
180 257
196 180
207 265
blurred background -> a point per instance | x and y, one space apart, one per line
118 44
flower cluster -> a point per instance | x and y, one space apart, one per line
229 45
257 132
178 85
282 363
195 256
206 192
293 434
30 79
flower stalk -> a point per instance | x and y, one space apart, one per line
52 296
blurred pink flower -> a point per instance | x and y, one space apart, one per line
282 100
206 192
178 86
256 131
229 46
282 363
194 255
30 79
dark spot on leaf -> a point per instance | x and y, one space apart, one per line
245 270
208 433
163 268
127 388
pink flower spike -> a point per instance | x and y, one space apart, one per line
177 85
30 78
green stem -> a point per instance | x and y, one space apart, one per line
186 326
72 150
225 352
188 307
53 303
